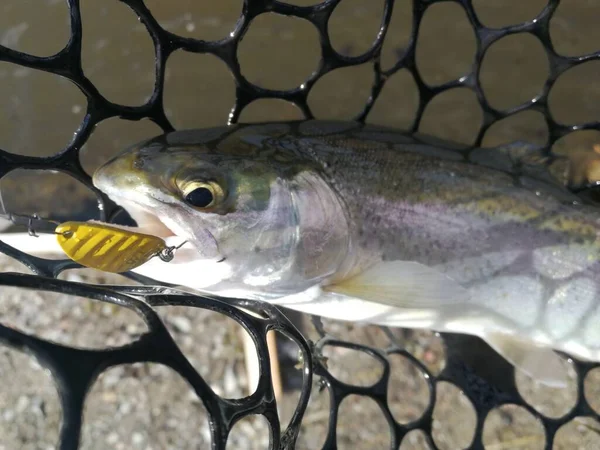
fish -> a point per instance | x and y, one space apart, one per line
370 224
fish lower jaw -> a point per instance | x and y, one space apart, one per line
173 238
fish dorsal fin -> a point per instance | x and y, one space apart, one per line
519 158
402 284
540 363
511 157
530 165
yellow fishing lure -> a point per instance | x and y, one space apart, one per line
110 249
98 245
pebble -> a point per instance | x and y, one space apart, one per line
137 438
111 377
109 397
22 403
8 415
112 438
181 324
172 423
187 341
230 382
125 408
107 309
132 328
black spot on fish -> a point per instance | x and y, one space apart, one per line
139 163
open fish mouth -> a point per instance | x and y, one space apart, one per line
202 245
150 223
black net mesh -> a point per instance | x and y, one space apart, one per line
75 370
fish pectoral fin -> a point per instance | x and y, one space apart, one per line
541 363
402 284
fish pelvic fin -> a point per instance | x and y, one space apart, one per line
402 284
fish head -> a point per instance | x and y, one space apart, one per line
267 217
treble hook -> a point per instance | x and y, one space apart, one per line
33 222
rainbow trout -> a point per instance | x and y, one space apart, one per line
367 224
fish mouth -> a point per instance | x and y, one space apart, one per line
202 246
150 223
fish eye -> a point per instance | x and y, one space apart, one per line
201 195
